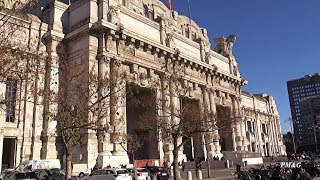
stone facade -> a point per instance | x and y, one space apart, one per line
154 49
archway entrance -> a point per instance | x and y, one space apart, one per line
8 153
225 131
193 148
140 114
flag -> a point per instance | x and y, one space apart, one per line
170 5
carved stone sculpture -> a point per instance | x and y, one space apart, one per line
113 15
169 40
224 46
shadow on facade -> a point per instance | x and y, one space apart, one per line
141 108
225 132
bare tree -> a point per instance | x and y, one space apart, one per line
130 143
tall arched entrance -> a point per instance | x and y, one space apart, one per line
140 114
225 129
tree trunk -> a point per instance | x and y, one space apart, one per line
68 164
175 159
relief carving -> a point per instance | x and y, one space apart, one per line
169 40
178 69
114 15
143 79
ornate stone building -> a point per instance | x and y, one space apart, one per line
153 49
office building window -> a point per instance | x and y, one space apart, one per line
11 90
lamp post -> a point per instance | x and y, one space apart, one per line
315 138
293 141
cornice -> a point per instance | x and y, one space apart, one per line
165 51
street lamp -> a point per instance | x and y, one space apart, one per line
293 141
315 136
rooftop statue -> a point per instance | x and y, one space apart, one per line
224 45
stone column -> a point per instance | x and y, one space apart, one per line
52 146
260 142
1 145
175 109
102 10
210 147
104 145
162 30
243 134
116 106
165 90
215 133
238 135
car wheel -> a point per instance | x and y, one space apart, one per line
81 175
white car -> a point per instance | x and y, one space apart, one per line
109 174
138 173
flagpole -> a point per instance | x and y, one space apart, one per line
189 9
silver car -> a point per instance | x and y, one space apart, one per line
109 174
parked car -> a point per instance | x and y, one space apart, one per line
109 174
26 176
161 172
50 174
138 173
6 175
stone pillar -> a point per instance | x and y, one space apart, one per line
167 145
175 109
52 146
1 146
215 133
208 137
102 10
162 30
159 111
117 125
238 135
260 142
243 134
104 145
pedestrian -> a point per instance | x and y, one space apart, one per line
198 164
95 167
182 164
238 165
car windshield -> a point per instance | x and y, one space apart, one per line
162 169
57 172
122 172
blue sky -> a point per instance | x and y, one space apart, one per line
277 40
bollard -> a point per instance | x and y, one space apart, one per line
227 164
199 174
189 175
154 177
